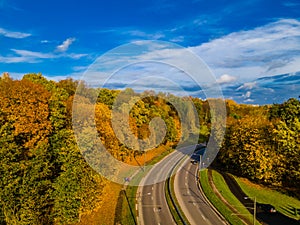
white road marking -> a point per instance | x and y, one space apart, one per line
203 217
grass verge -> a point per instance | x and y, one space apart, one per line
224 190
128 213
217 202
282 202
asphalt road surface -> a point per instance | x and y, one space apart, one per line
152 208
191 200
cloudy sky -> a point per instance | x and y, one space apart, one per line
240 41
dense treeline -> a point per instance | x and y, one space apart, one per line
263 143
46 180
44 177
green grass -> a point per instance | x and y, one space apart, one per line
128 206
283 203
128 212
229 196
221 207
125 210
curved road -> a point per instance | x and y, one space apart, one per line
152 208
191 200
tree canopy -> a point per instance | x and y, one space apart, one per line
46 180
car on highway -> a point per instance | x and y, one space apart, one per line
194 162
199 147
268 208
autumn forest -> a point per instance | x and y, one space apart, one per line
46 180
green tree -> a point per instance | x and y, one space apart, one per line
25 161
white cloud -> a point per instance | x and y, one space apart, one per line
225 78
144 35
178 39
17 59
80 68
249 100
247 86
25 56
73 55
248 94
147 59
17 75
266 50
65 45
31 54
13 34
133 34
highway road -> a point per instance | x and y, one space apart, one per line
192 202
152 208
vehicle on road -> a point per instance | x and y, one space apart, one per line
194 162
200 147
268 208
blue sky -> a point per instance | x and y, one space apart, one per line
240 41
